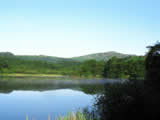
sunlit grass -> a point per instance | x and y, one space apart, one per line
27 117
70 116
30 75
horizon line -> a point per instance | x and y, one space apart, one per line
69 57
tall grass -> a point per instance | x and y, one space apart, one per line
70 116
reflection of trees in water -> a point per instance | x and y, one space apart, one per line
92 89
7 86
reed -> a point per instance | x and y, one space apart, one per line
27 117
70 116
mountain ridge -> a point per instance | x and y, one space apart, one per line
104 56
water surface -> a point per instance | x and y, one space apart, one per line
39 97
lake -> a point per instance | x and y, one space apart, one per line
41 97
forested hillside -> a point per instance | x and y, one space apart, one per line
132 67
122 67
15 65
50 59
98 57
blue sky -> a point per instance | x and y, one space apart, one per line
67 28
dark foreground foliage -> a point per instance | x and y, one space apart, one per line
121 101
152 83
133 100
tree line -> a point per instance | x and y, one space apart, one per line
133 66
10 64
128 68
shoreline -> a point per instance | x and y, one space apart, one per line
29 75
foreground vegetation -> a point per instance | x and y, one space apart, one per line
71 116
129 100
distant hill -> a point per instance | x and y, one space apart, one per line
44 58
60 62
51 59
101 56
10 63
6 54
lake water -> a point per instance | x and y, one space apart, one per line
39 98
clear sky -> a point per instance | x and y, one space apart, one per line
67 28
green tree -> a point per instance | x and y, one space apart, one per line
91 68
125 67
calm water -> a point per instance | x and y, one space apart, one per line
38 97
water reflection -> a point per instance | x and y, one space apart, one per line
38 97
18 104
8 85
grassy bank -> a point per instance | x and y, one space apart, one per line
29 75
39 75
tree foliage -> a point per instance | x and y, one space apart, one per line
16 65
91 68
125 67
114 68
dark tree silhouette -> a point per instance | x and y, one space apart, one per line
153 66
152 83
130 101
